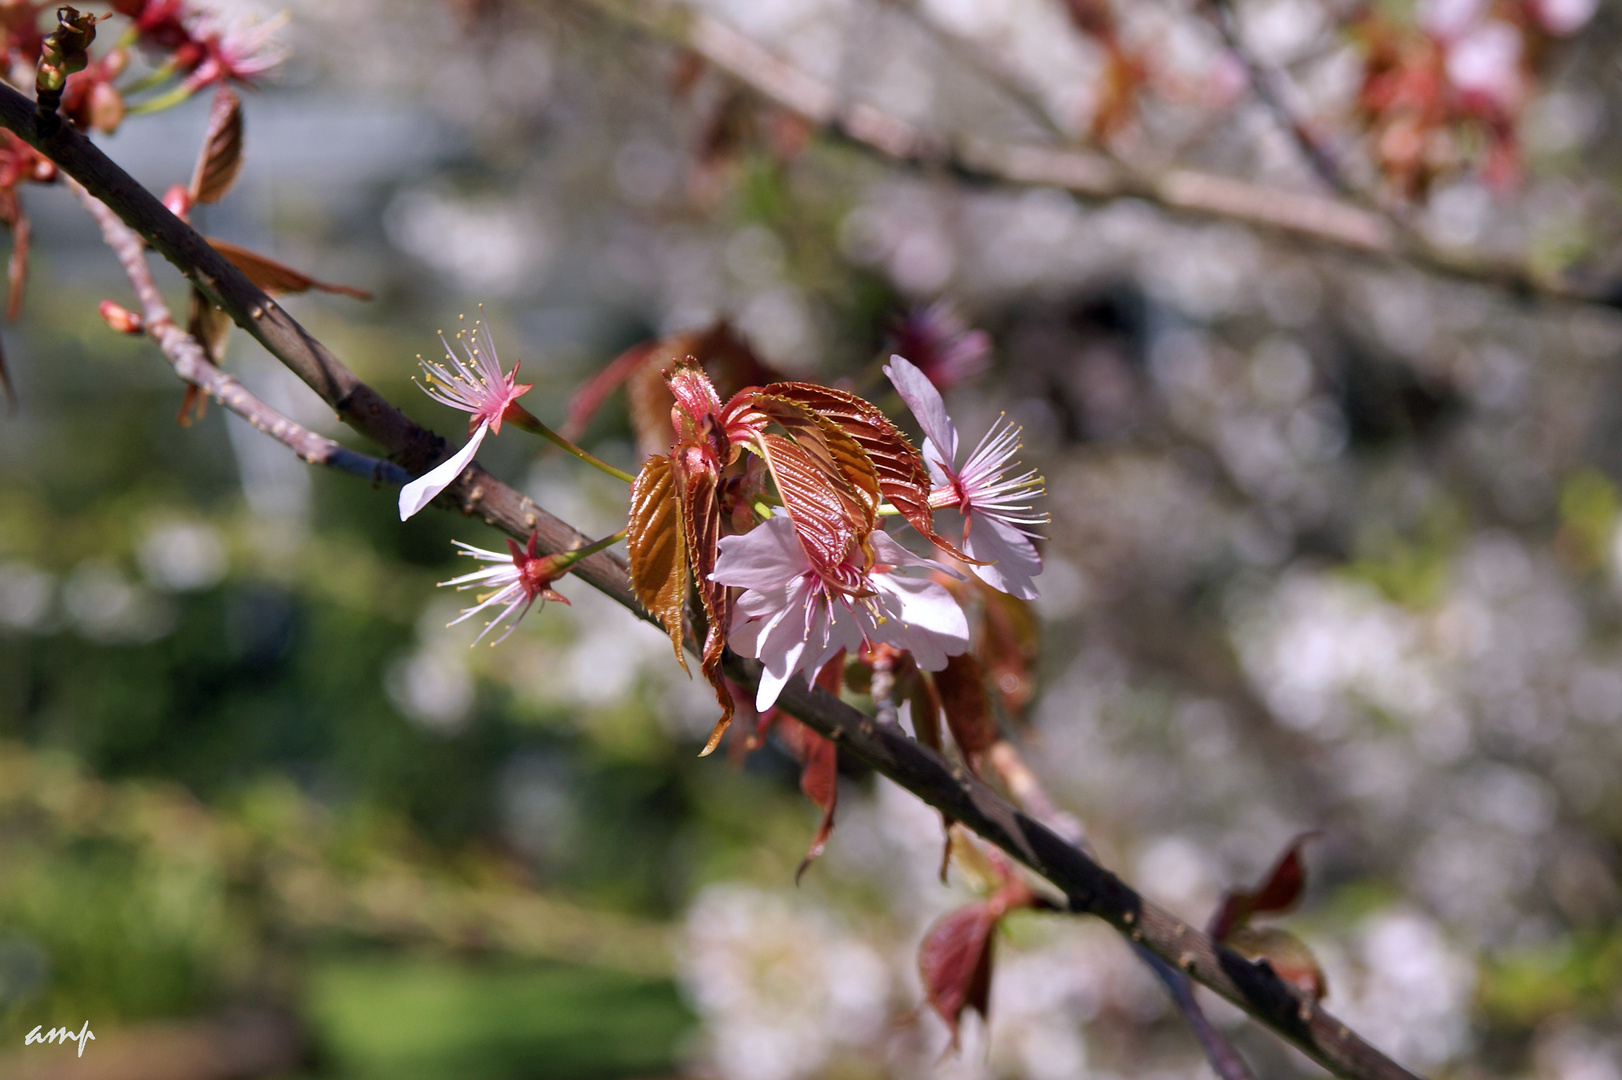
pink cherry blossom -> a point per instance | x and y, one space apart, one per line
794 620
239 49
992 496
518 577
475 384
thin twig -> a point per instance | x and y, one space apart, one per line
1270 87
1225 1060
1328 222
191 362
1090 888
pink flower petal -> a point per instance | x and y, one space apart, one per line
1012 563
926 404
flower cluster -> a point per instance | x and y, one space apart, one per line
770 507
800 569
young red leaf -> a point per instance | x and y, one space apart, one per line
274 277
828 516
1285 953
658 550
221 158
954 961
1278 891
828 442
968 710
899 467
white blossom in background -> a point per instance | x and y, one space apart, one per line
780 987
1406 989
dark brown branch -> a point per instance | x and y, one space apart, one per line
1089 887
1327 222
191 363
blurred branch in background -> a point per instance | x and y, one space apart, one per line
192 363
1332 223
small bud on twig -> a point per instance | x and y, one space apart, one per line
66 50
121 318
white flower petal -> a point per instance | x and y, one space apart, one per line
926 404
765 558
925 620
421 491
1012 563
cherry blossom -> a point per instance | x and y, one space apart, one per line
993 499
794 618
516 579
475 384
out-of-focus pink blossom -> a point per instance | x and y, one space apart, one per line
240 49
793 619
475 384
944 348
1486 62
1562 17
993 497
517 578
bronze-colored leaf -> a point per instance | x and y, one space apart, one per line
274 277
954 961
657 549
827 514
963 697
701 527
1278 891
896 462
826 440
1285 953
221 158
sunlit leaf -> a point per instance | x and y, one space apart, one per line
701 527
902 477
827 514
275 277
221 158
828 442
657 549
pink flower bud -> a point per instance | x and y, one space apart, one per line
106 108
121 318
178 200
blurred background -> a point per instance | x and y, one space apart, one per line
1334 546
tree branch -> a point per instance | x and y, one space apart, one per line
191 363
1089 887
1326 222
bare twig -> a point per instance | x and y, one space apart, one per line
1225 1060
1328 222
1089 887
1270 87
191 363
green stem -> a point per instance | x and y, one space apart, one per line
566 559
522 417
167 100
